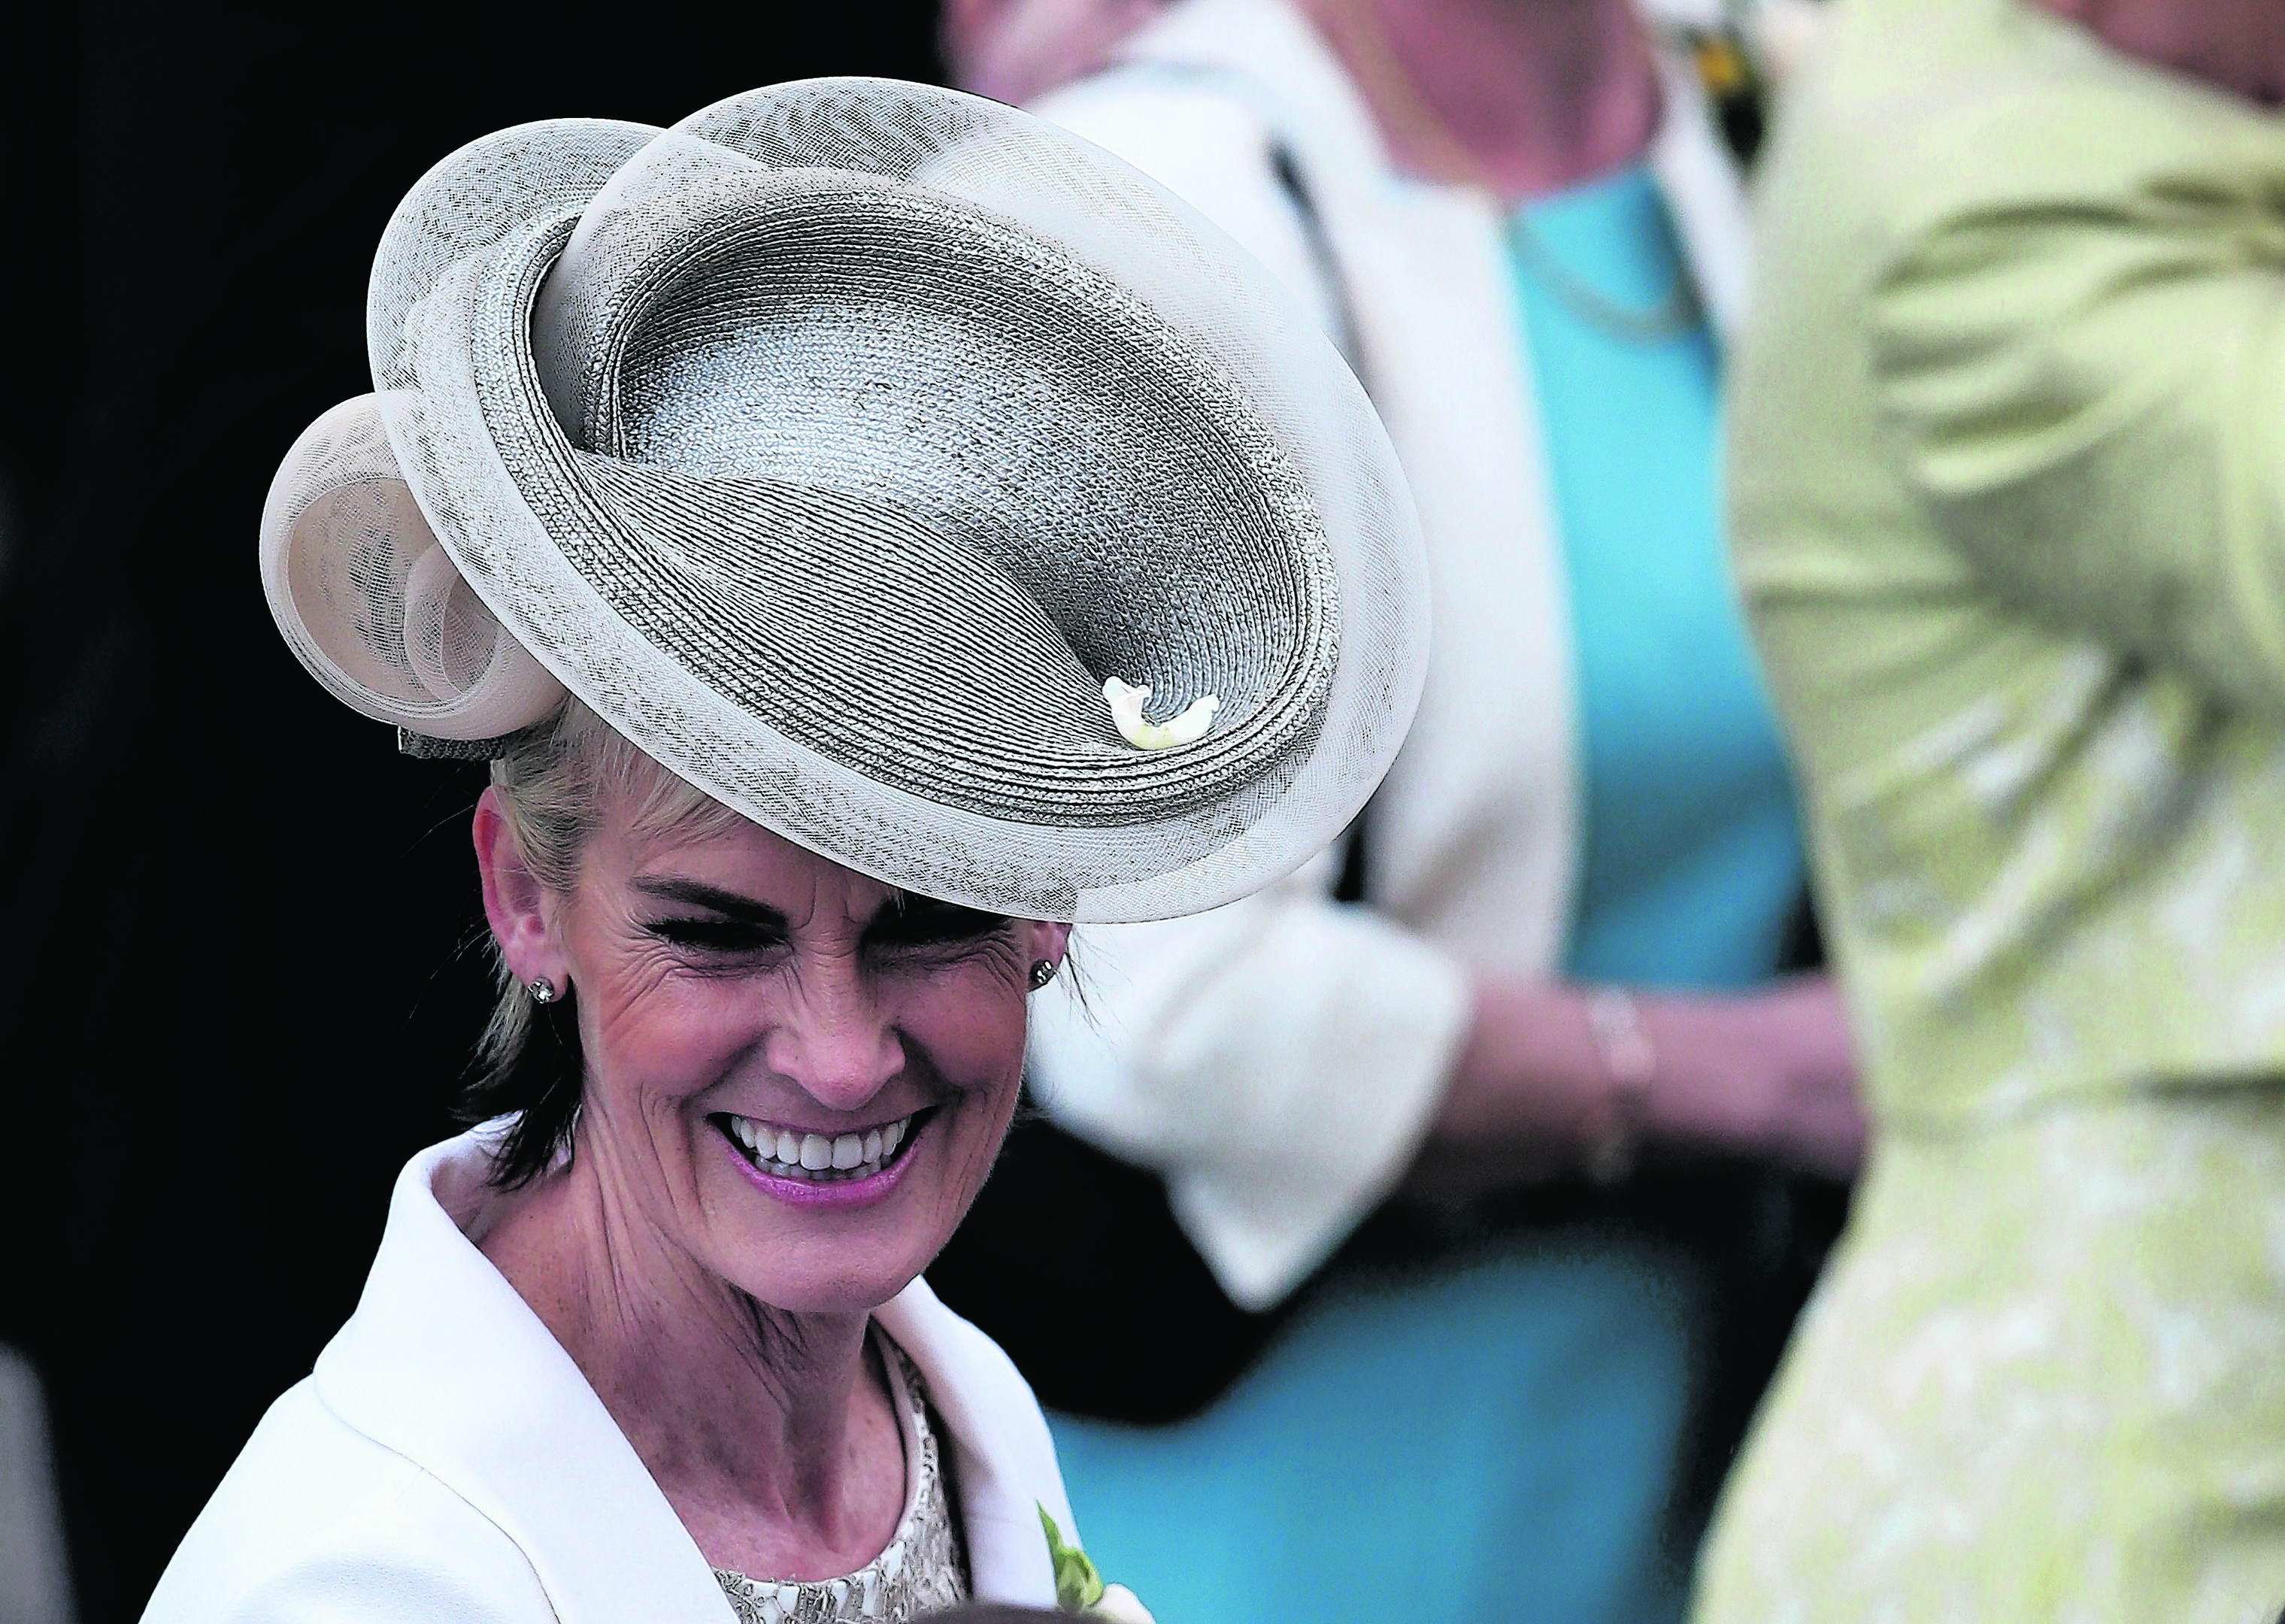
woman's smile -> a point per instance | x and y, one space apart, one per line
810 1169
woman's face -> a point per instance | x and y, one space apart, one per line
799 1076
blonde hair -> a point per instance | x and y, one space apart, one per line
556 782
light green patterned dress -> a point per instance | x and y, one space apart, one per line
2008 475
922 1569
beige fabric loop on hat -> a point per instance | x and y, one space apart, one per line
371 603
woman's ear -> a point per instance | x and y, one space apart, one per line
1048 941
515 902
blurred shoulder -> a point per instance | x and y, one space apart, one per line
1162 115
315 1520
1924 110
1202 133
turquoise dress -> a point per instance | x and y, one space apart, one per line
1497 1438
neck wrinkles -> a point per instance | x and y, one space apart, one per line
1519 98
752 1419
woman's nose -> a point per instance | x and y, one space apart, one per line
835 1041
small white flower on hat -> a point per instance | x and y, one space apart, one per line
1126 703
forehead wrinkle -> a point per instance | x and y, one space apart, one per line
799 885
699 894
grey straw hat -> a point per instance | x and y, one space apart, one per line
842 446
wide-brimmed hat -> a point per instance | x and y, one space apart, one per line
842 446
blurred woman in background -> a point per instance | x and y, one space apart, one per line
1016 51
2010 513
1550 950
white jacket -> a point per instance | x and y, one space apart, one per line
1278 1060
447 1461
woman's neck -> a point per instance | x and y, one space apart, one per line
1518 96
771 1433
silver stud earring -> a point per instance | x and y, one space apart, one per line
542 990
1043 971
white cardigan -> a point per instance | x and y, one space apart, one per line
1278 1060
446 1459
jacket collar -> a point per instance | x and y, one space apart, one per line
1300 88
445 1364
1003 1458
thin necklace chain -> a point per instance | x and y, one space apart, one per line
1402 100
1669 319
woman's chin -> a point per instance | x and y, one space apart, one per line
836 1240
830 1278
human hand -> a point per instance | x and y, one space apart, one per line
1770 1073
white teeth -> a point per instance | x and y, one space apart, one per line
815 1155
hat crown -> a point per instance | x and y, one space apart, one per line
887 391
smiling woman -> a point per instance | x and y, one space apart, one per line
751 1019
772 501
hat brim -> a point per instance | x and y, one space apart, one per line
450 328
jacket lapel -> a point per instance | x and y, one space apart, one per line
444 1363
1703 193
1003 1457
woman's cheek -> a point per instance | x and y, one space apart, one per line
679 1037
972 1029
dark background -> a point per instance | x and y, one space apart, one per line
234 988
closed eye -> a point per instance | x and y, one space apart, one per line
916 922
717 936
720 923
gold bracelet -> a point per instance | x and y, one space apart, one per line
1631 1061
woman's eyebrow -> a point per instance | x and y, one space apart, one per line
925 910
728 904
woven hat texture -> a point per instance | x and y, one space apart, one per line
837 445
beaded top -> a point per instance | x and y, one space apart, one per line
922 1569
